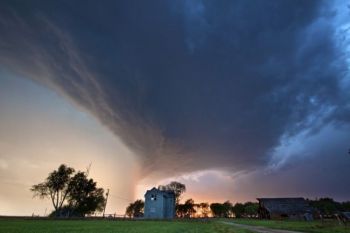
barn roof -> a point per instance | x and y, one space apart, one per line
285 205
346 215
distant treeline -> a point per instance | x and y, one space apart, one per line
327 206
227 209
190 209
323 206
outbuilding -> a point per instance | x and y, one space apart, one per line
280 208
159 204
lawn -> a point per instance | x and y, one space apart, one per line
330 226
109 226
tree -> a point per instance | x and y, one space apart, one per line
345 206
251 209
223 210
177 187
84 196
71 194
189 208
130 210
56 186
326 205
217 209
204 207
238 210
227 208
135 209
180 210
186 210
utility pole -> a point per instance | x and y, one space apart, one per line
104 209
88 169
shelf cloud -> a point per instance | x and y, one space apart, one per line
194 85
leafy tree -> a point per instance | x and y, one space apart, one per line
135 209
204 207
56 186
130 210
177 187
180 210
251 208
217 209
222 210
189 207
238 210
186 210
71 194
227 208
326 205
84 196
345 206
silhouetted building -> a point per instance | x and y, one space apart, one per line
345 216
279 208
159 204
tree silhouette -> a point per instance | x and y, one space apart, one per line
84 196
186 210
189 208
217 209
77 191
177 187
56 186
238 209
251 209
221 210
326 205
135 209
204 207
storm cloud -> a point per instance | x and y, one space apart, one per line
192 85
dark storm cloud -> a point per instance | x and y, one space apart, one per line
188 85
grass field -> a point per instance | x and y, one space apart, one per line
312 227
106 226
180 226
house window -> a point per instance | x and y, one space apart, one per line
153 197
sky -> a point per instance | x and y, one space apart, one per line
236 99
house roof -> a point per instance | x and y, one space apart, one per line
285 205
166 193
346 215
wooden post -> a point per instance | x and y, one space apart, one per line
104 208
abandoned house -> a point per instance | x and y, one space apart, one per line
279 208
344 216
159 204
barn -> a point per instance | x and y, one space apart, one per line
281 208
159 204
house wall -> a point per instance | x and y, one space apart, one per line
154 208
169 210
263 213
162 207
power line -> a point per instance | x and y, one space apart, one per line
122 198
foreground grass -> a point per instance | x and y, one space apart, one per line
105 226
331 226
